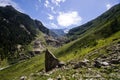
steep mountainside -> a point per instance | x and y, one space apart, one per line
95 31
109 18
17 29
59 32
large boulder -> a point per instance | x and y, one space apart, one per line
51 61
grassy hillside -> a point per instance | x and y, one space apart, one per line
94 36
27 67
107 18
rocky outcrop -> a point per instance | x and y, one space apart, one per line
23 56
52 41
51 61
38 46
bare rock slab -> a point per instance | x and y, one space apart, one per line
51 61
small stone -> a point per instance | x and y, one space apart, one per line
115 61
49 79
59 77
97 64
89 69
79 65
85 60
23 78
73 76
98 75
105 63
60 64
46 74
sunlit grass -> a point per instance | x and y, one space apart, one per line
81 52
24 68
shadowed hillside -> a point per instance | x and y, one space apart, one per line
17 29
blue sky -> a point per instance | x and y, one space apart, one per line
61 13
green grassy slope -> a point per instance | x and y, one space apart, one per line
109 16
78 49
24 68
92 37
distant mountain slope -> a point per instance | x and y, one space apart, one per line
59 32
16 29
94 33
110 17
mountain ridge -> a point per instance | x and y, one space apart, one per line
18 29
106 16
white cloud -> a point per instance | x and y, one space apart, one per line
51 17
53 25
108 6
52 10
57 2
46 4
50 6
69 18
10 2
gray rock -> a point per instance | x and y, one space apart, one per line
23 78
37 52
49 79
97 64
79 65
59 77
51 61
105 63
23 56
31 53
115 61
61 64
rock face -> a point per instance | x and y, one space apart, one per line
51 61
53 42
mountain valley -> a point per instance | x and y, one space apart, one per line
89 52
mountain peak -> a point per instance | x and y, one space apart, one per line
8 7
